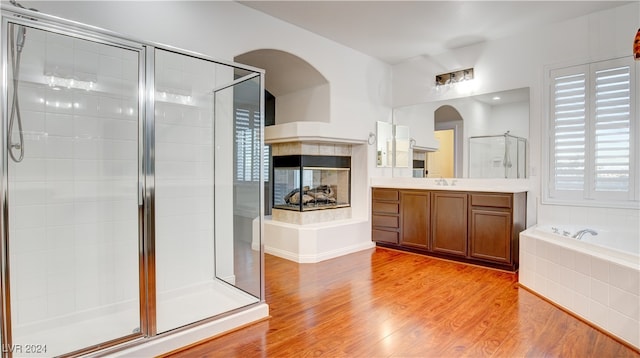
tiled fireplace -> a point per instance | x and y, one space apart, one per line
312 182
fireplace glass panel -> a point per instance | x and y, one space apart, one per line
305 182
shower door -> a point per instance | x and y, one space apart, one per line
72 228
195 201
238 182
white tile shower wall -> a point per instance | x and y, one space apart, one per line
73 200
184 172
603 292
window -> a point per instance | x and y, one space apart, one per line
247 141
593 133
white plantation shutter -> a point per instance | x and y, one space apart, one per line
569 131
591 132
247 132
243 144
612 121
255 128
266 154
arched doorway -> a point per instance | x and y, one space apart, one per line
446 162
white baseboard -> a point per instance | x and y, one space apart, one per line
320 256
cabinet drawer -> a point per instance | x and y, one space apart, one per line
491 200
382 207
382 194
384 236
387 221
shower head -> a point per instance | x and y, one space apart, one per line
22 31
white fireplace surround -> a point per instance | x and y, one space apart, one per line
314 236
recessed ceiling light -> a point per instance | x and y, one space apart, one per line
496 98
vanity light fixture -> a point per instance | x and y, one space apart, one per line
450 78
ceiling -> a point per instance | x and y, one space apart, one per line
394 31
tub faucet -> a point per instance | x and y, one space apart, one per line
578 235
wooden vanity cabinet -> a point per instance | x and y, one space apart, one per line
475 227
385 215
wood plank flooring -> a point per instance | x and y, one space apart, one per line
386 303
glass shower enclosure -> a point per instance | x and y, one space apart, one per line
497 156
122 219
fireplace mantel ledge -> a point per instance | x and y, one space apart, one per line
314 132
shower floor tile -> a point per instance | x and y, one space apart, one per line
174 310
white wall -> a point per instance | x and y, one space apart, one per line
420 121
310 104
519 61
505 118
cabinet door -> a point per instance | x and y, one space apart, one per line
414 213
449 223
490 237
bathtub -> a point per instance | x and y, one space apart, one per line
596 278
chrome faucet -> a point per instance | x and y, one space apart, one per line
578 235
442 181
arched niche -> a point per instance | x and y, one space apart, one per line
449 127
301 92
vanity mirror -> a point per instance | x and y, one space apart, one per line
444 130
392 145
384 144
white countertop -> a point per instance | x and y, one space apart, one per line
453 184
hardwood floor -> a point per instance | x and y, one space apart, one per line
386 303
